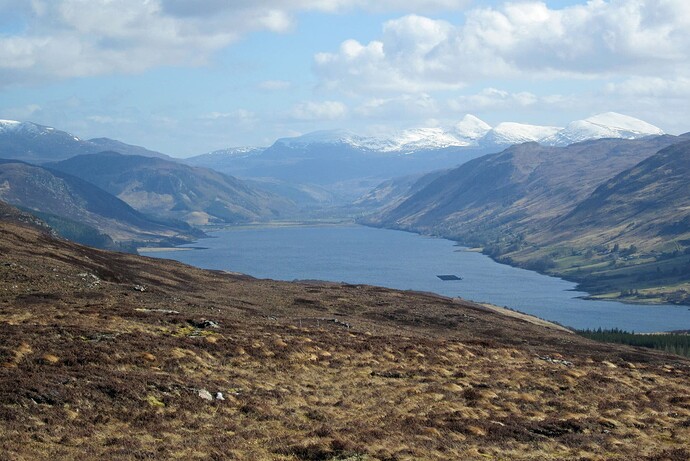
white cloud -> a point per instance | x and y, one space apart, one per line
652 87
523 39
492 98
407 106
322 110
77 38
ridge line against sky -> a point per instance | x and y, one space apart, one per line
186 77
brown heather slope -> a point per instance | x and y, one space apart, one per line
92 367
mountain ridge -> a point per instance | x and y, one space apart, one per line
60 194
173 190
37 144
473 132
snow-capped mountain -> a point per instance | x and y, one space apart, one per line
471 129
403 141
509 133
236 152
218 159
323 137
474 132
417 139
348 164
35 143
31 129
8 125
606 125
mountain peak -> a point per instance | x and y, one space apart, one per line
604 125
13 126
622 122
9 124
472 128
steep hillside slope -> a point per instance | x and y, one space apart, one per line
172 190
111 356
389 194
631 237
58 194
647 205
518 190
558 211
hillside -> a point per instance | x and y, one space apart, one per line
558 211
77 203
639 224
169 189
517 190
113 356
38 144
650 200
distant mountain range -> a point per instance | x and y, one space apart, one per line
347 164
540 193
37 144
469 132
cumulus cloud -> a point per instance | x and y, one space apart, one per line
77 38
524 39
492 98
321 110
413 106
652 87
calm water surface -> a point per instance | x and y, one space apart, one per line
395 259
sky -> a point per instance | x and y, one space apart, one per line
185 77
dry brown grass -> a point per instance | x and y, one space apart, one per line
108 372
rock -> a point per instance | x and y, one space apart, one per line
139 288
556 361
162 311
204 394
203 323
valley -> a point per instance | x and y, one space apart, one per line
340 230
608 212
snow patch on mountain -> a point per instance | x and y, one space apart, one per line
238 152
8 125
13 126
470 129
423 138
509 133
606 125
322 137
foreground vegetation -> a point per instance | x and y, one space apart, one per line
668 342
118 357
